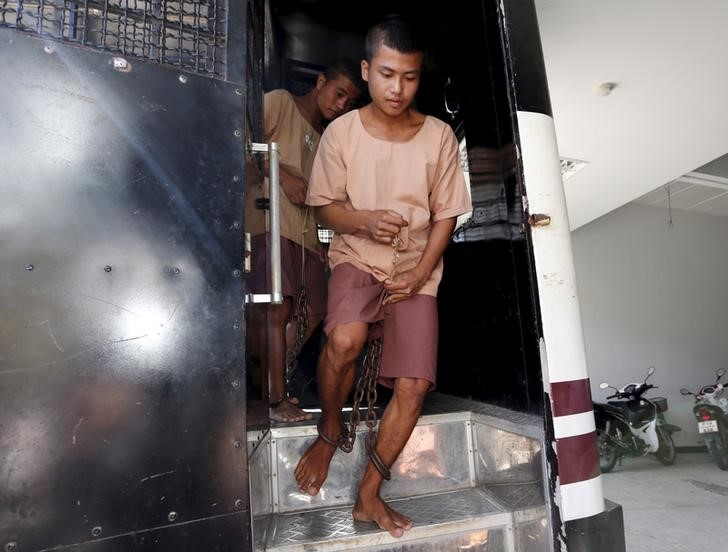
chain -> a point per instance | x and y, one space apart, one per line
367 385
301 331
395 253
301 310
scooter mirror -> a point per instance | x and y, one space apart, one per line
720 373
651 370
603 385
684 391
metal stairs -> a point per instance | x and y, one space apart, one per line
470 477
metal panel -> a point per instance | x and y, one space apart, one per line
187 33
121 342
330 529
533 536
435 459
210 535
503 457
260 474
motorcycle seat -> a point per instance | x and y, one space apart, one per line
616 407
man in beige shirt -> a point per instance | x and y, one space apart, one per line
296 124
387 180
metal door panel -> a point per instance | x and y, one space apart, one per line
122 378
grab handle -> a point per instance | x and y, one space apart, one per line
276 294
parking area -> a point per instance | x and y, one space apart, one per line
683 507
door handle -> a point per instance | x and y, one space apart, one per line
276 294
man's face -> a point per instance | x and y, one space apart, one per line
336 96
393 79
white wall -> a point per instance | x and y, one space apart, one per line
652 295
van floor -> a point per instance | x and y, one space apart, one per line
678 508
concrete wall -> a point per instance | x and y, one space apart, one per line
654 295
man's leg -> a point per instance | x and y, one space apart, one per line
395 428
285 410
336 370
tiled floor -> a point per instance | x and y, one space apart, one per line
679 508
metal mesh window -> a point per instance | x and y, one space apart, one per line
188 33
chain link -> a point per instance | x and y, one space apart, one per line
301 313
367 385
301 330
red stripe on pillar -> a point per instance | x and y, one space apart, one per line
571 397
578 458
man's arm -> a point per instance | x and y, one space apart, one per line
293 186
381 225
408 283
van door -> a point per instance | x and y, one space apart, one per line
122 371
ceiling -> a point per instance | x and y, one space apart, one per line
667 115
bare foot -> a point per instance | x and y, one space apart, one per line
313 467
376 510
288 411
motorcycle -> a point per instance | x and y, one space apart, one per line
711 411
633 425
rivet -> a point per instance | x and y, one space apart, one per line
236 326
236 384
120 64
237 444
96 531
236 273
238 91
11 546
176 270
237 133
172 516
236 224
183 79
48 49
107 268
238 504
29 267
236 178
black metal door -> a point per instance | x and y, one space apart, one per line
122 377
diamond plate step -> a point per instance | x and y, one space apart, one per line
471 477
469 515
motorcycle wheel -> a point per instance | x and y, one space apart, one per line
719 451
607 452
666 449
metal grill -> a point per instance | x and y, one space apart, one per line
188 33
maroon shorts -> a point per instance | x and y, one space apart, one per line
408 328
258 281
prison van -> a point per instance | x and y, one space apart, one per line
131 417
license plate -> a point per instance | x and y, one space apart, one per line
711 426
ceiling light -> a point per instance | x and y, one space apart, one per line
605 88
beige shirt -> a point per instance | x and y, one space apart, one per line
297 141
420 179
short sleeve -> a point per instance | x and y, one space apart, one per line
273 109
328 175
449 196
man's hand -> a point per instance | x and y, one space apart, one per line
295 189
382 226
404 285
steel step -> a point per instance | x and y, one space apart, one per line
471 477
469 519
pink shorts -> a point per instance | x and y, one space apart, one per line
408 328
258 281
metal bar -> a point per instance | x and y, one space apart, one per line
275 227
